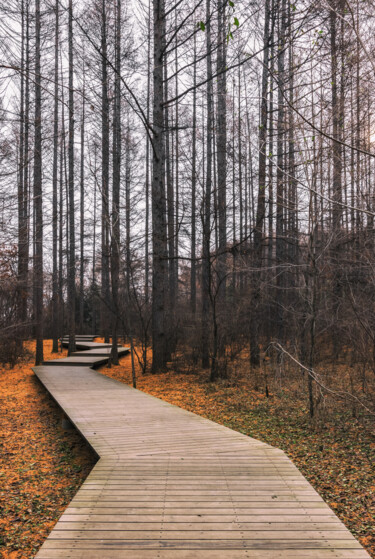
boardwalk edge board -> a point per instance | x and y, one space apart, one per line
170 484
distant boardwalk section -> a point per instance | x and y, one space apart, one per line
172 485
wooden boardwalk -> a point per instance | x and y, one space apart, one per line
172 485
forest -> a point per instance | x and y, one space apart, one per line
199 179
196 180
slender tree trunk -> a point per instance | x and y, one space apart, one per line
55 283
240 183
336 122
26 185
147 231
261 203
93 283
159 239
38 209
115 238
171 223
270 142
177 184
280 178
61 226
127 206
292 202
82 210
337 118
193 269
104 306
206 262
221 146
22 198
72 252
312 303
234 201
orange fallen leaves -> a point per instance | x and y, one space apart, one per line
41 465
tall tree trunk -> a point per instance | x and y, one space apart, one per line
261 203
55 283
159 239
22 197
234 201
221 145
292 195
193 268
337 163
171 222
127 206
93 282
147 230
280 177
336 123
26 185
115 237
177 184
72 251
104 306
61 222
38 209
82 209
240 183
206 262
270 142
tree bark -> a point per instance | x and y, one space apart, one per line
38 209
193 268
206 261
159 237
23 245
280 177
261 203
72 253
115 237
82 210
55 284
221 147
104 304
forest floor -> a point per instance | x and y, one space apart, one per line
42 466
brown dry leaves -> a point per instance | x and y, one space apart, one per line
42 466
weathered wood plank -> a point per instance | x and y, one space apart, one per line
74 553
265 544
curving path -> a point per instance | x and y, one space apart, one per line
172 485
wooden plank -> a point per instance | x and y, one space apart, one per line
74 553
223 525
102 352
198 544
171 484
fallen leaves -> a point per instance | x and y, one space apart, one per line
41 465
